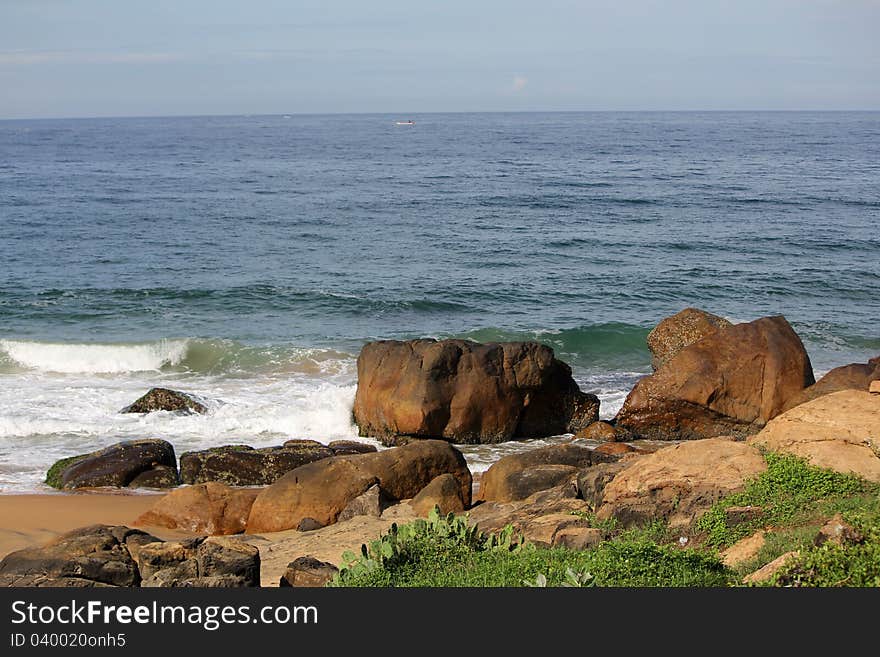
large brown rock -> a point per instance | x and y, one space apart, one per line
242 465
164 399
679 482
148 462
517 476
321 490
443 492
467 392
730 382
210 508
682 329
97 555
857 376
840 431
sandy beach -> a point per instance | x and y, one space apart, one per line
32 520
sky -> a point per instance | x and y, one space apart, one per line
77 58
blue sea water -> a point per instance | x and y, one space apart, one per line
248 258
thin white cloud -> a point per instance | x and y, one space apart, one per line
28 58
519 83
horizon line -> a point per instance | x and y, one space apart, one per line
427 113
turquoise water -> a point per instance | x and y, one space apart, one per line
249 258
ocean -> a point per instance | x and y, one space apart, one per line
247 259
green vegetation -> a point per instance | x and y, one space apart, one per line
53 476
796 499
447 552
790 492
833 564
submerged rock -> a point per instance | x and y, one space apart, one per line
730 382
164 399
467 392
132 463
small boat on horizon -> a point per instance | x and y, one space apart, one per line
410 122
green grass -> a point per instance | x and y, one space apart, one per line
447 552
791 493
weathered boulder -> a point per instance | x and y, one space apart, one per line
148 462
679 482
164 399
839 431
199 562
371 502
443 492
677 332
602 431
730 382
517 476
766 572
467 392
211 508
322 489
857 376
97 555
591 482
308 572
538 518
242 465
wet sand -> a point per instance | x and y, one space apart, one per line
32 520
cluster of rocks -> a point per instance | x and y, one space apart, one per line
106 556
151 463
738 388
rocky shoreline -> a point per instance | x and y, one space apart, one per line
693 432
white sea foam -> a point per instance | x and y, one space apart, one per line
95 358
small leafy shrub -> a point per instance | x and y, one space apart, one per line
445 551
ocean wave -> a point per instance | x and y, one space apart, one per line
613 344
94 358
186 355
